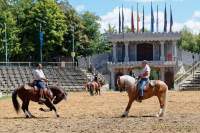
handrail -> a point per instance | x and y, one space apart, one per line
189 71
62 64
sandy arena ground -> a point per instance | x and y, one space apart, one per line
85 114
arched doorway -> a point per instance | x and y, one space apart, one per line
169 79
145 52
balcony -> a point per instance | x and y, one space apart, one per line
138 64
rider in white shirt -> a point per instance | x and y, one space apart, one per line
144 77
40 82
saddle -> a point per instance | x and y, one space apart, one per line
149 84
31 86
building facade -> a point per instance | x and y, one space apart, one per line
129 49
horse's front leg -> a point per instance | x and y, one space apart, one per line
125 114
51 107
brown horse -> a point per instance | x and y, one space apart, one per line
158 88
29 93
94 86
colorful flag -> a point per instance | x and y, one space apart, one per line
119 21
171 19
143 20
132 22
122 19
157 19
165 19
138 20
152 19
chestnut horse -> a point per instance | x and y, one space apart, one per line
29 93
94 86
158 88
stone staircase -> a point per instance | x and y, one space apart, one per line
190 80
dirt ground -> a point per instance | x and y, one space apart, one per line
101 114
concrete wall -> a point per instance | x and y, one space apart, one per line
186 57
99 62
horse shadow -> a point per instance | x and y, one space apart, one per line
134 116
16 118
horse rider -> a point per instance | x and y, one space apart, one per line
40 81
144 78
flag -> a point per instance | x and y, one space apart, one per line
132 22
157 19
171 19
165 19
122 19
41 39
152 19
143 20
138 20
119 21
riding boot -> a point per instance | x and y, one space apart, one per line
140 98
41 98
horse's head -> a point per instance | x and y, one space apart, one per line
58 94
60 97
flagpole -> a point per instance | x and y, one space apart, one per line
165 19
143 20
152 19
137 19
119 20
132 21
171 19
157 19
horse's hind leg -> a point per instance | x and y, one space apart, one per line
25 109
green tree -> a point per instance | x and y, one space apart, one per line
188 40
111 29
53 26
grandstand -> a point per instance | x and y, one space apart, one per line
70 77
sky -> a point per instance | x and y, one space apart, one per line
185 12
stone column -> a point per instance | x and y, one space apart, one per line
126 52
162 57
112 78
162 73
114 53
174 44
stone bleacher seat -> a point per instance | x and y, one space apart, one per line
69 78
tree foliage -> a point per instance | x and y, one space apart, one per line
60 22
189 41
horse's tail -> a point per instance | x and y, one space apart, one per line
14 100
118 81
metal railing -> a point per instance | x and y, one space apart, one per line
32 64
137 63
187 73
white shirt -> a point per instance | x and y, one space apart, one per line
146 69
38 74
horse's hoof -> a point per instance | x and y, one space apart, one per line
27 116
41 109
57 116
123 116
33 116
